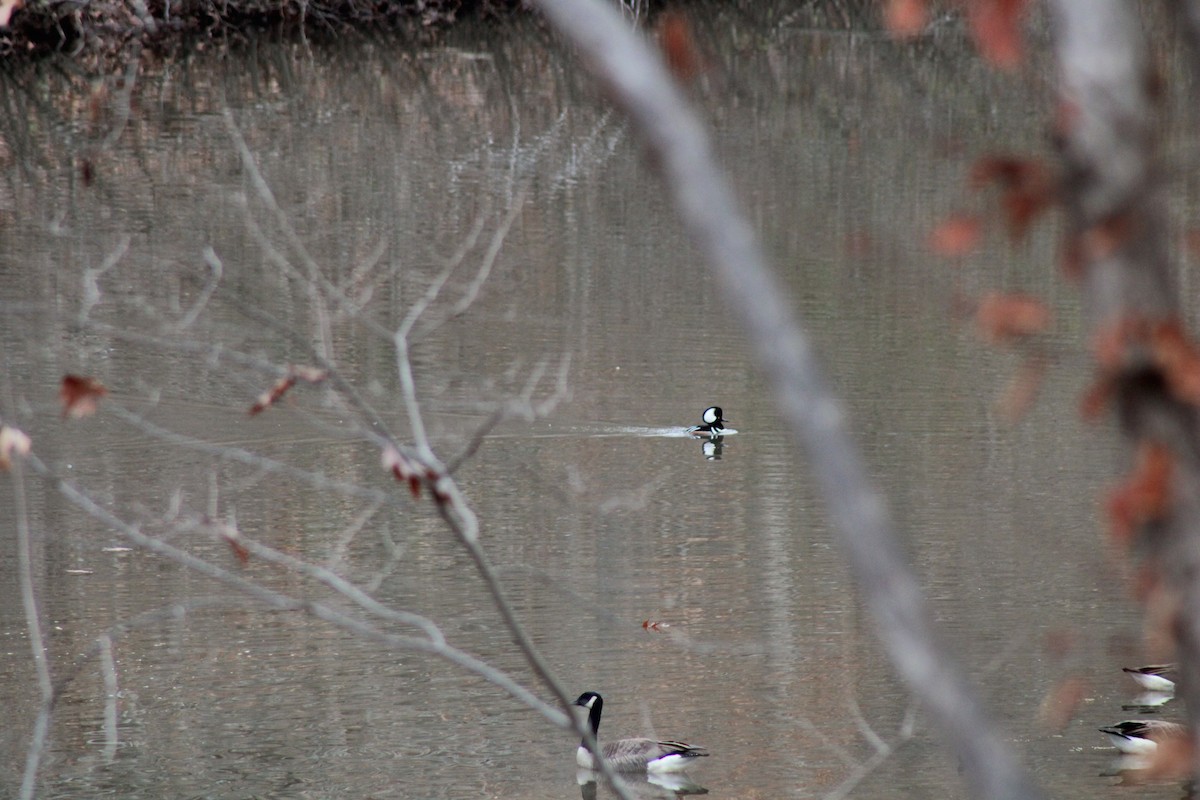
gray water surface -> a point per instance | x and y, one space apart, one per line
600 517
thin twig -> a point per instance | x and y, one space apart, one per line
324 575
33 625
108 668
471 293
91 278
279 600
210 286
317 480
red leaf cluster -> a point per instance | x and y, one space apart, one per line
1027 185
1145 496
80 395
1163 342
294 374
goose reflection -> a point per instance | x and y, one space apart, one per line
663 785
1149 701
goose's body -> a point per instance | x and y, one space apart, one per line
1141 737
1154 678
632 755
712 423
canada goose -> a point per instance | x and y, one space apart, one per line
1141 736
1154 678
632 755
712 423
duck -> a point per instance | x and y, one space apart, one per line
632 755
1141 736
712 423
1153 678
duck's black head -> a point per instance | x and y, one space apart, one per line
713 416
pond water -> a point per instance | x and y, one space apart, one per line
698 589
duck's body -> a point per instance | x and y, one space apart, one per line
1141 736
1154 678
712 423
632 755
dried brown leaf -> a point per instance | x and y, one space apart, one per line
956 236
905 19
231 537
1027 188
13 441
402 469
678 45
1179 359
80 395
1106 237
1001 317
1097 399
1145 496
273 395
996 28
1022 390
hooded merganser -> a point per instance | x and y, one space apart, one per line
712 423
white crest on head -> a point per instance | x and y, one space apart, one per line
710 415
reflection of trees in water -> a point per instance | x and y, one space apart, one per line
288 262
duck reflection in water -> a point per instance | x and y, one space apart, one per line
652 785
711 448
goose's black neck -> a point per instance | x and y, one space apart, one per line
597 704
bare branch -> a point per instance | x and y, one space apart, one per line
315 479
33 624
108 668
1113 186
471 293
193 313
519 407
326 576
284 602
91 278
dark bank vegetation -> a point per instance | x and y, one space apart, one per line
93 28
111 27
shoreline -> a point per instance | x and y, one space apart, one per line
103 32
